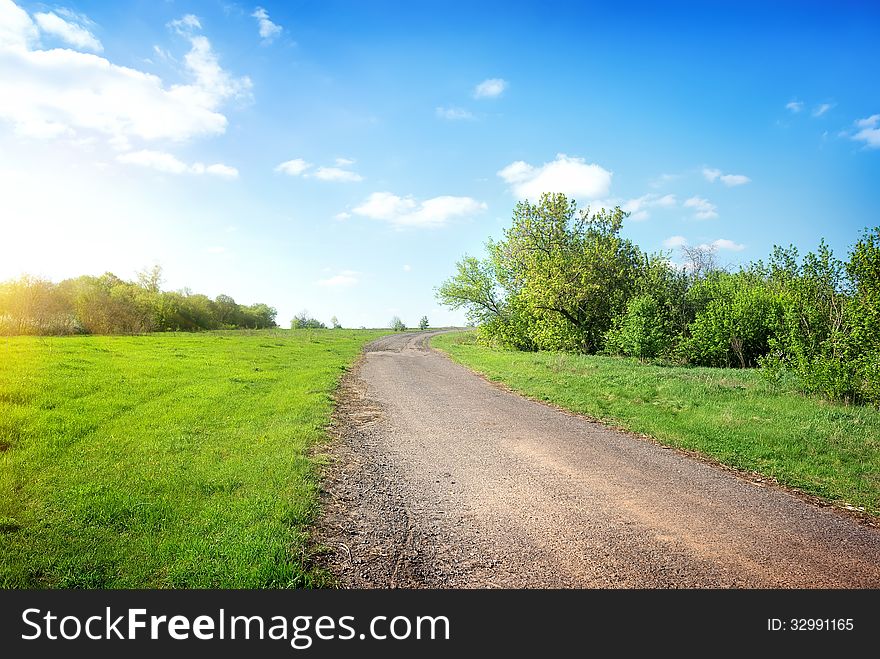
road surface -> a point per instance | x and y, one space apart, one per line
440 479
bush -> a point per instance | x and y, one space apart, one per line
736 317
641 331
397 324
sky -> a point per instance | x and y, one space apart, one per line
340 157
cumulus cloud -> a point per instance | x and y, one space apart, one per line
74 31
170 164
50 93
491 88
674 242
337 174
868 131
344 215
299 167
821 109
343 279
724 243
730 180
571 176
17 30
794 106
703 208
402 212
453 114
407 267
638 208
268 29
293 167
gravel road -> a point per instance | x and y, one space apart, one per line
440 479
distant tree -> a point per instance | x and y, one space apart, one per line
303 321
151 278
423 323
334 322
397 324
699 260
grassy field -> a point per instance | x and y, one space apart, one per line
164 460
733 416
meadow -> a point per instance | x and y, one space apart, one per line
165 460
733 416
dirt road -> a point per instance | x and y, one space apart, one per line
441 479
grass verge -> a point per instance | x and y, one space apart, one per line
733 416
164 460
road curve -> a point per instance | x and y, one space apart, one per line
440 479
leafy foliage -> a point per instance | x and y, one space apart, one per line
110 305
302 320
563 279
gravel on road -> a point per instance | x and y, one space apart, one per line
439 479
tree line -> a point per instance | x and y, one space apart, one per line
565 279
106 304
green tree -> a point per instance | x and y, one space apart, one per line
568 264
423 323
397 324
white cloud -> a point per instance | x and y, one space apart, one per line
50 93
344 215
638 207
293 167
869 131
730 180
337 174
216 249
268 29
674 242
344 279
794 106
703 208
407 267
570 176
17 30
724 243
299 167
403 212
74 32
821 109
344 162
453 114
170 164
186 23
491 88
221 170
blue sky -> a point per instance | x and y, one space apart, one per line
339 157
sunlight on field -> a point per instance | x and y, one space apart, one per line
164 460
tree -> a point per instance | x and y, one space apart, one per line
397 324
334 323
474 287
303 321
556 281
423 323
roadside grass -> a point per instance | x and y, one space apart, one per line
164 460
734 416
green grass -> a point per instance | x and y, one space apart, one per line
733 416
164 460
